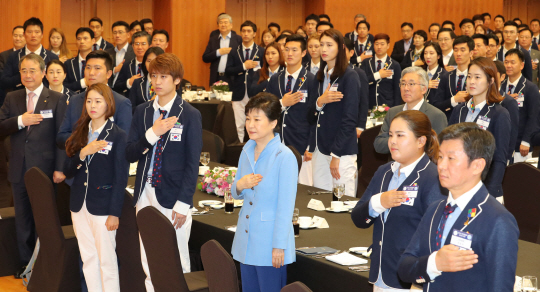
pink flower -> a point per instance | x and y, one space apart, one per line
219 192
386 108
225 185
219 181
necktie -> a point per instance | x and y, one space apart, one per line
460 83
247 55
82 69
360 49
510 88
430 75
447 211
378 65
156 173
30 105
151 91
289 83
94 48
139 69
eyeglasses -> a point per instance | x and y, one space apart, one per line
31 72
410 85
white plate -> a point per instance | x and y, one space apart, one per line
210 202
307 227
337 211
358 250
218 206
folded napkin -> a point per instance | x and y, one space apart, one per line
130 190
519 158
319 222
133 169
346 259
232 228
316 205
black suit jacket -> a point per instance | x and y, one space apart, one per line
73 75
105 45
11 78
130 54
385 90
235 68
127 71
440 74
527 69
209 55
398 53
368 47
3 59
447 89
35 146
363 98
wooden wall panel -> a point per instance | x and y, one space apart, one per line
526 10
162 18
313 6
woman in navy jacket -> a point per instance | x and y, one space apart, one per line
489 115
399 194
140 90
97 162
272 64
56 74
434 66
412 57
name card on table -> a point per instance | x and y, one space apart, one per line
316 205
519 158
319 222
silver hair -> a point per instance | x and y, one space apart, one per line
142 34
36 58
223 16
422 74
360 16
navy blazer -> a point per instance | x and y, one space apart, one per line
363 98
369 46
440 74
210 55
3 59
105 44
496 247
510 104
528 110
235 68
408 59
254 87
527 69
180 166
500 125
398 53
138 93
401 222
447 89
122 115
11 78
385 90
73 75
127 71
67 93
295 127
100 179
336 122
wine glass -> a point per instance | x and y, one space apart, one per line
529 283
339 190
188 87
205 158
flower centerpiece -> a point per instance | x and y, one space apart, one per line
217 180
379 112
220 85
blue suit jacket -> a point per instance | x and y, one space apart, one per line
73 75
385 90
336 122
180 158
495 241
122 116
510 104
11 78
100 179
500 125
440 74
265 221
390 238
408 59
68 93
125 73
528 111
447 89
105 44
138 94
369 46
254 87
295 127
235 69
209 55
527 69
363 98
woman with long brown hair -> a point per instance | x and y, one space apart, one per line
398 196
268 36
58 44
273 62
482 107
97 162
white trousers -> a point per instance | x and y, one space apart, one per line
322 177
239 108
98 251
378 289
305 176
148 198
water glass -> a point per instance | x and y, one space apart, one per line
338 190
188 87
205 158
529 283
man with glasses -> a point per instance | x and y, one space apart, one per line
401 47
493 47
510 35
446 39
413 85
123 51
133 69
525 42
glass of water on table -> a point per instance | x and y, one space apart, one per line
338 191
529 284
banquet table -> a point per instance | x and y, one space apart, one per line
209 110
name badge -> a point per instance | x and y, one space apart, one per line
461 239
520 97
106 149
334 87
46 114
304 97
412 191
258 66
176 132
390 77
369 53
483 122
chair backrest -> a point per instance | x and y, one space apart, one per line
225 126
159 240
296 287
520 186
371 160
219 268
214 145
297 155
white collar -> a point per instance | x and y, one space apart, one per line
14 49
328 72
56 53
122 49
37 92
98 130
315 65
478 107
294 75
37 52
408 42
98 42
383 59
450 54
461 72
250 47
434 70
167 107
515 83
407 169
464 199
227 37
81 58
354 32
416 52
495 59
274 72
416 107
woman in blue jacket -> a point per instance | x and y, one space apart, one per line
266 180
96 161
398 196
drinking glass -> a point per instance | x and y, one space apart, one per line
188 86
205 158
339 190
229 201
296 225
199 93
529 283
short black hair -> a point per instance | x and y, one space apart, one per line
481 36
324 23
451 32
249 23
421 33
518 19
145 21
152 50
478 17
57 62
297 38
492 36
96 19
477 143
134 24
161 31
434 24
500 16
280 37
348 44
269 104
407 24
449 22
84 29
364 22
18 26
121 23
463 39
527 29
510 23
500 68
273 24
522 27
465 21
535 20
517 52
486 14
324 16
33 21
101 54
312 17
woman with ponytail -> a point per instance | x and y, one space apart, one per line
398 196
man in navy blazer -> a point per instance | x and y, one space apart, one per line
133 70
96 25
220 46
363 98
18 43
511 105
402 46
75 66
122 53
452 248
510 35
363 45
33 33
98 70
353 35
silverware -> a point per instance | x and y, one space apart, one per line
310 192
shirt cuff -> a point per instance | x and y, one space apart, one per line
375 203
83 84
361 129
334 155
377 76
19 122
181 208
244 66
525 144
128 85
151 137
319 108
359 59
453 102
283 108
432 270
217 53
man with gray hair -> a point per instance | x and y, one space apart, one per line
413 87
353 35
218 49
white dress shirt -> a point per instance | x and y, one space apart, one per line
458 73
34 100
136 67
37 52
83 84
446 58
376 75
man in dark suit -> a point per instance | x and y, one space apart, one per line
123 51
401 47
18 43
452 250
363 98
160 38
353 35
446 37
525 42
535 28
510 35
96 24
363 46
433 31
133 69
493 47
218 49
75 66
31 117
467 27
245 60
98 70
33 34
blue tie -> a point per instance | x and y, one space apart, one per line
139 69
247 55
378 65
156 173
430 75
82 69
447 211
510 89
459 85
360 49
289 83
